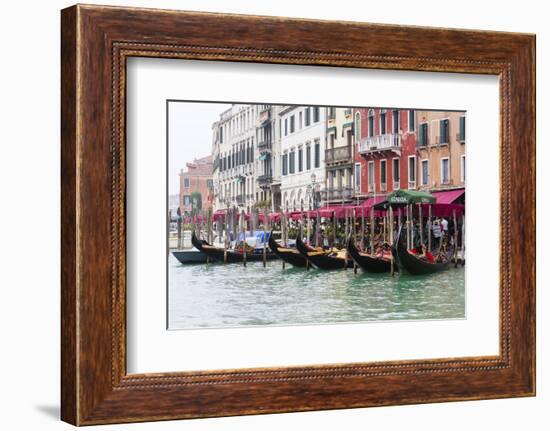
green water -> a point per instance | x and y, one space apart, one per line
218 295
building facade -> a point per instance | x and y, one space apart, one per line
441 138
302 132
386 146
339 155
268 138
196 185
234 152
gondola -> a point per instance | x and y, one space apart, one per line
324 259
412 263
369 263
289 255
233 256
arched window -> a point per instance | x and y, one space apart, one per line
357 126
371 122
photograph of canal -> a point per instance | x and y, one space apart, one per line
308 215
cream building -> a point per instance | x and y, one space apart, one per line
302 132
234 152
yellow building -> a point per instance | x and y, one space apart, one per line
339 154
441 142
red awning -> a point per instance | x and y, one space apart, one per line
448 196
373 201
218 215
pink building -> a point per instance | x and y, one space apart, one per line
195 181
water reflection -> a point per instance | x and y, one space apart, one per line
218 295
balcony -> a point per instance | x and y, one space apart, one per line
264 180
339 194
264 145
383 187
389 141
338 154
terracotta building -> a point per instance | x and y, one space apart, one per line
196 179
441 150
385 150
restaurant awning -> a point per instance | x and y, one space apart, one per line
373 201
403 197
448 196
219 215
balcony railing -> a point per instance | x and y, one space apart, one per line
412 185
264 179
389 141
396 185
262 145
383 187
336 194
338 154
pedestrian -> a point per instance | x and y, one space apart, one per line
444 227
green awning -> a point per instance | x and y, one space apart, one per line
331 129
403 197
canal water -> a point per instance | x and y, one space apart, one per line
218 295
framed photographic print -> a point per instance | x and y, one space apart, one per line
257 219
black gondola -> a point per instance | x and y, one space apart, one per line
324 259
233 256
414 264
289 255
369 263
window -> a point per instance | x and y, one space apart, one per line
291 162
221 135
210 184
444 131
315 114
425 174
317 154
358 177
445 170
411 120
357 127
186 182
300 124
187 200
371 123
383 122
395 173
371 176
308 157
463 168
286 126
284 163
423 135
308 116
383 171
412 172
292 124
462 129
383 178
300 160
395 121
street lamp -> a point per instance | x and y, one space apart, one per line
313 191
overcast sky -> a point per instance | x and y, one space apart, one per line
189 135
